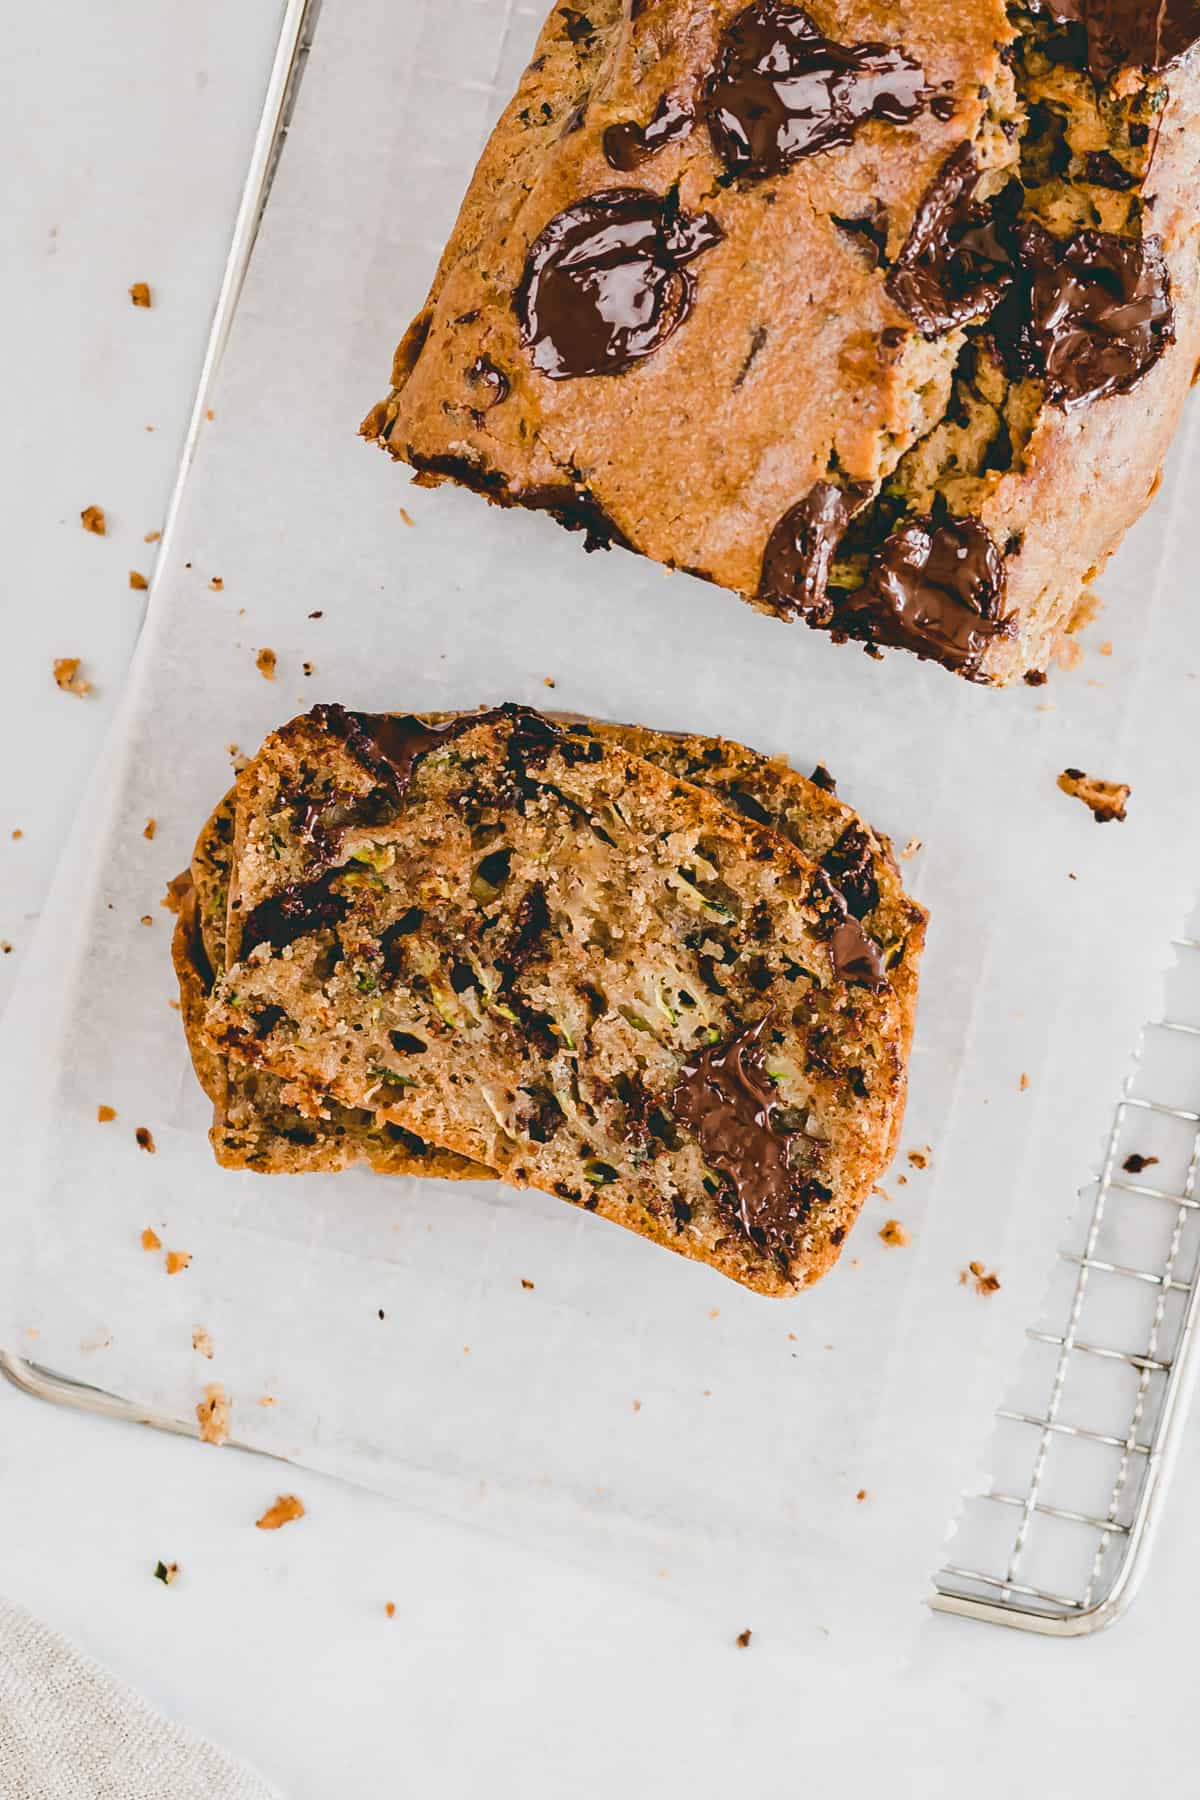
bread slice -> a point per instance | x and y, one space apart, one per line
857 860
260 1122
564 963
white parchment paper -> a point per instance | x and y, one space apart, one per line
628 1409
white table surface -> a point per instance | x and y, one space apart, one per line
124 133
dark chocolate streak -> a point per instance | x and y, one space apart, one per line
605 284
857 958
1139 34
628 145
936 590
953 267
800 552
492 382
724 1097
575 508
1097 312
779 90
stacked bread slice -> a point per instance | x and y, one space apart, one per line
663 977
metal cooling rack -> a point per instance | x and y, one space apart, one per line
1084 1453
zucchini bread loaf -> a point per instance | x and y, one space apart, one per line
881 316
527 945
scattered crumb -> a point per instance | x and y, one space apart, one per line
894 1234
792 1338
317 615
66 674
149 828
902 1181
404 514
861 1494
5 947
92 519
174 1006
137 580
526 1284
390 1609
17 833
177 1261
165 1572
139 293
146 919
210 415
145 1140
1023 1084
268 1400
714 1312
281 1512
1106 798
217 584
1104 649
149 428
1134 1163
742 1639
466 1349
264 662
202 1343
307 668
152 537
212 1414
984 1282
910 849
151 1239
920 1158
106 1114
1068 653
239 761
637 1406
549 681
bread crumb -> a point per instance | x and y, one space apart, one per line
145 1141
1023 1084
152 537
1068 653
137 581
17 833
984 1281
910 849
268 1400
92 519
1106 798
390 1609
264 662
306 668
151 1239
149 828
526 1284
68 678
1104 649
174 1006
894 1234
209 414
5 947
105 1114
146 919
139 293
1134 1163
714 1312
217 584
549 681
281 1512
404 514
637 1406
920 1158
212 1414
236 757
202 1343
317 615
177 1261
166 1572
742 1639
861 1494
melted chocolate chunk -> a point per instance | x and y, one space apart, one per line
391 745
726 1099
936 590
850 865
294 912
628 145
605 284
493 382
1128 34
870 232
1097 314
779 90
857 957
800 552
1102 169
954 266
577 26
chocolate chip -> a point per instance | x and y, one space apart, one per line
1102 169
294 912
779 90
494 383
605 284
870 232
850 865
954 266
800 552
627 145
935 589
1127 33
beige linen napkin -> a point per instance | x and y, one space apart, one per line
70 1731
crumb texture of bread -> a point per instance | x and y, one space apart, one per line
926 333
663 978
